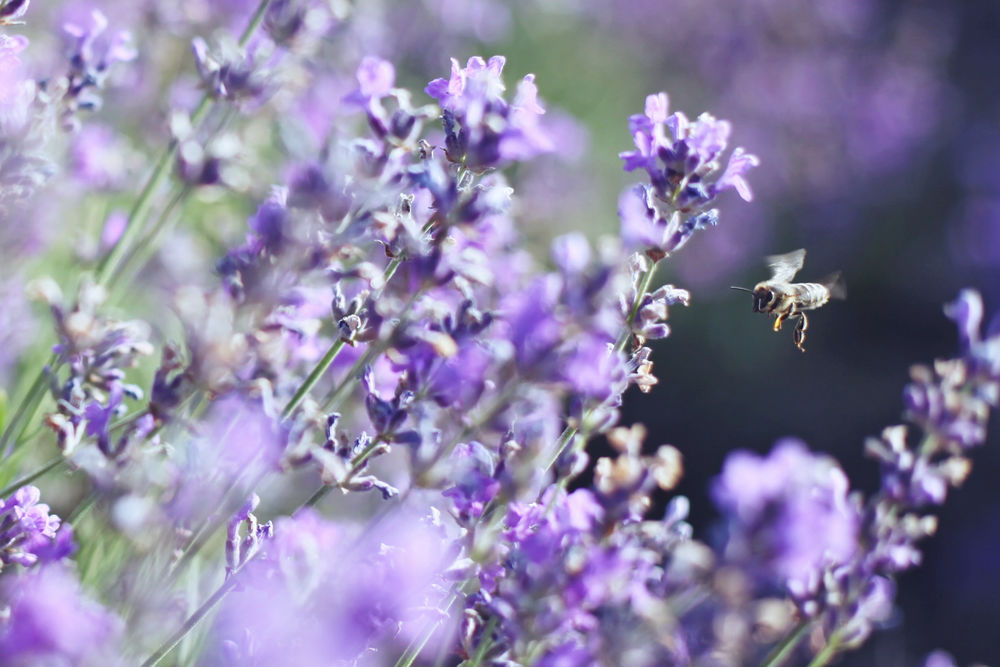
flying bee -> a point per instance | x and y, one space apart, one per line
786 300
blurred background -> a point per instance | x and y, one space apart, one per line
878 129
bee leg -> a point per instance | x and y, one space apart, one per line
777 322
799 336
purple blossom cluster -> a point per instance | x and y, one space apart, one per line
370 433
682 160
29 534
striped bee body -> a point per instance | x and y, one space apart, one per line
783 299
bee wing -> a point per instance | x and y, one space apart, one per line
836 285
784 267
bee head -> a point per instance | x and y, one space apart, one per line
763 296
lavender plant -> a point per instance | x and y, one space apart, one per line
361 427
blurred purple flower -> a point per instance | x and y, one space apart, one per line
98 157
11 10
316 597
17 90
789 513
233 72
376 78
51 621
592 368
114 227
91 52
475 485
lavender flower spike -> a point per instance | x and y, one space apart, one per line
683 161
29 534
481 128
50 621
789 513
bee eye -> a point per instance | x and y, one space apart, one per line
767 296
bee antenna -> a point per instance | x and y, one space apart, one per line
742 289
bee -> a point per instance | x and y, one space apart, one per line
785 300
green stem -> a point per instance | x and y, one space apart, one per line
190 623
25 412
147 247
413 651
561 444
328 358
82 508
485 643
644 282
109 265
318 496
313 378
232 501
31 477
828 653
255 20
417 645
780 653
366 358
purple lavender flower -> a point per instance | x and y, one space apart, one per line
91 52
23 165
682 159
576 585
474 474
316 596
50 620
481 128
11 10
17 90
949 402
95 350
240 439
28 532
98 157
291 22
232 72
680 155
376 78
789 513
239 550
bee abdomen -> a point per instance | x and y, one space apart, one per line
810 295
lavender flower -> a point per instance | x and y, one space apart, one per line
231 72
95 350
481 128
18 90
23 165
292 22
379 322
682 159
240 550
48 619
29 535
293 598
11 10
790 514
91 53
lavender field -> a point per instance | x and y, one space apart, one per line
400 332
